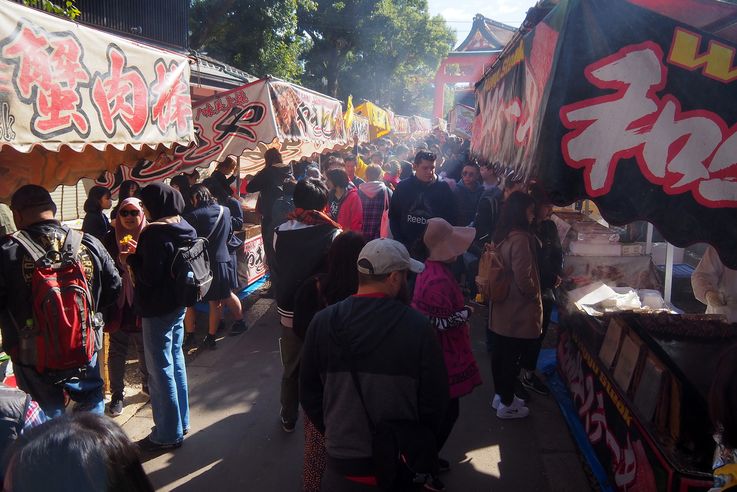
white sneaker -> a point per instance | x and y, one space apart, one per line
497 401
516 410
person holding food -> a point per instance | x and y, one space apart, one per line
122 323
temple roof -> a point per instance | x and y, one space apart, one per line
486 35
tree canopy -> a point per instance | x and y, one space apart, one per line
259 37
386 51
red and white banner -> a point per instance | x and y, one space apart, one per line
63 83
266 112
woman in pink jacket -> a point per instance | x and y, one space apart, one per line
344 204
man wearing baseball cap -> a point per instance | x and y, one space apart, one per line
390 349
33 213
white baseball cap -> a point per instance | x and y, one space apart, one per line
382 256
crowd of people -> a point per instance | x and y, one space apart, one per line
373 259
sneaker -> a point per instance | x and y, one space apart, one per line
209 342
533 383
115 407
190 342
443 465
520 391
147 445
239 327
434 484
516 410
497 400
287 425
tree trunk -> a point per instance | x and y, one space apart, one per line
331 73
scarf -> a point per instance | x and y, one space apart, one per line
126 295
312 217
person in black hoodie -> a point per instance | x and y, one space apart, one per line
417 199
393 351
270 184
96 222
162 316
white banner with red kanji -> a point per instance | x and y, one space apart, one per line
65 84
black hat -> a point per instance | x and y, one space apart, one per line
32 196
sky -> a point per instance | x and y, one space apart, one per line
460 13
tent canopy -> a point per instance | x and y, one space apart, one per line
379 124
248 120
607 100
75 101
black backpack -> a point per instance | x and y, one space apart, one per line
281 209
191 272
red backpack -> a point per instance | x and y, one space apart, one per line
61 335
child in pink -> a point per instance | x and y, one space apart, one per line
438 296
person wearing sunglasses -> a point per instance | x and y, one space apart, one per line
417 199
123 325
468 192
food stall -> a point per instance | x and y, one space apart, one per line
378 118
460 121
628 103
247 121
76 101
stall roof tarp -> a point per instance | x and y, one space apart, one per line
70 93
262 114
378 118
400 125
608 100
360 128
420 124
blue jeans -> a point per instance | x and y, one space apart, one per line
167 376
84 389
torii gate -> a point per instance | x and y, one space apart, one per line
474 55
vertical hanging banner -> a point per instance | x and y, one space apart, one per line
460 121
626 106
69 93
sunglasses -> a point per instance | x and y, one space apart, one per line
131 213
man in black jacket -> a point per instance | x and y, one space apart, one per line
419 198
271 183
33 212
396 357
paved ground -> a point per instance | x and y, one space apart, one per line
236 442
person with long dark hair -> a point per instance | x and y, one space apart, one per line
127 189
212 221
182 184
78 451
318 292
95 221
550 262
517 320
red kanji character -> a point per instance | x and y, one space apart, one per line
171 102
120 94
50 76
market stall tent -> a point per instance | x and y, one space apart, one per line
252 118
75 101
379 124
618 103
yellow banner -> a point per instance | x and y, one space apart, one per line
378 119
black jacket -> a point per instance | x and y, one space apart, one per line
151 266
413 202
299 254
206 224
549 254
399 363
487 214
16 268
269 182
97 224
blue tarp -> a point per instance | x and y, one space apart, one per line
546 364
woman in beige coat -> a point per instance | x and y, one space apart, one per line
517 320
